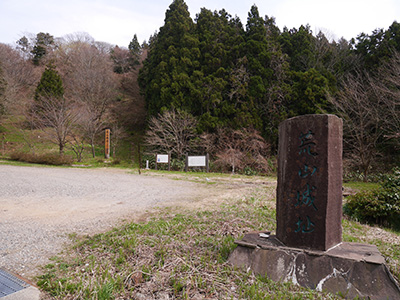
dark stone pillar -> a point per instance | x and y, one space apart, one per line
309 192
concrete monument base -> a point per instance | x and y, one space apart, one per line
350 269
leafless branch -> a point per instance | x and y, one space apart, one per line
173 131
55 117
238 149
360 105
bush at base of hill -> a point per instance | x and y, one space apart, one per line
379 206
46 159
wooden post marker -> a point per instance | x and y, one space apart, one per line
309 192
107 144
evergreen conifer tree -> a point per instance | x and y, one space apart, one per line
135 50
218 35
256 63
43 42
50 85
166 77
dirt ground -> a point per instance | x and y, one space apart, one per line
41 206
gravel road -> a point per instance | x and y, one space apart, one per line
39 207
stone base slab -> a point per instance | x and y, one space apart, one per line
350 269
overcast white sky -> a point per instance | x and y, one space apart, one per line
116 21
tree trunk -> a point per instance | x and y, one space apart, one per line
93 150
61 145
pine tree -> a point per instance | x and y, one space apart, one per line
272 106
308 93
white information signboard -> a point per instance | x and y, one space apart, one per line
162 158
197 161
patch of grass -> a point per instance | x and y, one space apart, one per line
361 186
18 138
209 178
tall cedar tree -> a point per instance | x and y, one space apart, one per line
219 35
272 107
258 68
309 85
166 77
135 49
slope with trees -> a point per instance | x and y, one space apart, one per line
227 74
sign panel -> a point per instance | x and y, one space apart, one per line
197 161
162 158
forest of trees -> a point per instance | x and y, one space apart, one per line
227 75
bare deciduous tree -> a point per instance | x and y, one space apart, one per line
89 80
123 60
91 125
131 111
390 86
77 144
20 76
361 105
238 149
173 131
117 134
55 117
77 138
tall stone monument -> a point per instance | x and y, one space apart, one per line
309 193
308 249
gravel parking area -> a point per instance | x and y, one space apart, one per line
40 206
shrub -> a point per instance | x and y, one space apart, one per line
116 161
379 206
242 151
178 164
47 158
